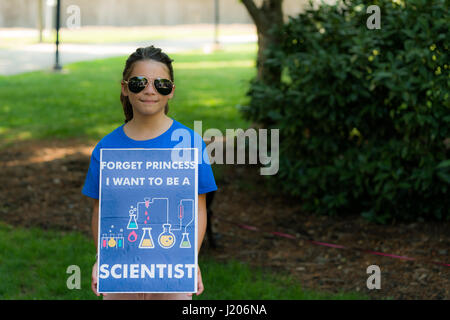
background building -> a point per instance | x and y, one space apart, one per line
25 13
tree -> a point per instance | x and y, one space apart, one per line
265 17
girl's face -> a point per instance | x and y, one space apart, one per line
148 102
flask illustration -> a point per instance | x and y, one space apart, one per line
132 223
112 243
166 239
185 243
146 240
186 212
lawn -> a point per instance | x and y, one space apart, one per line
83 101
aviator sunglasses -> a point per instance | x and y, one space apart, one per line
137 84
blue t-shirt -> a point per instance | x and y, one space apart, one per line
178 135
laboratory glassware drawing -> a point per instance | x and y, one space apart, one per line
143 212
146 240
112 240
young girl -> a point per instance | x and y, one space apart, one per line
147 85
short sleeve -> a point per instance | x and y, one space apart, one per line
91 183
206 181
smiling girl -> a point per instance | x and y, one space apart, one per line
146 87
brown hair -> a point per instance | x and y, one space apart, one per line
147 53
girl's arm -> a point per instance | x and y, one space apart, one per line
201 234
94 223
201 219
94 228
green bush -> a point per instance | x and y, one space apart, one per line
363 114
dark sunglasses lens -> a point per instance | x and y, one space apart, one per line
137 84
163 86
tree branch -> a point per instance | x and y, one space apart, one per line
254 11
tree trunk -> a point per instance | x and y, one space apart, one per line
269 14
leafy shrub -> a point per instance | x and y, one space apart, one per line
364 115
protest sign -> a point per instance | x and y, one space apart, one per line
148 220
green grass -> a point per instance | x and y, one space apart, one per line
236 280
33 265
84 100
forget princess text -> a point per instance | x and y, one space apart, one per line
149 165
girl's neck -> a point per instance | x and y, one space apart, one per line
145 128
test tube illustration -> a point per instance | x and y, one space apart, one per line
104 241
180 216
181 212
120 240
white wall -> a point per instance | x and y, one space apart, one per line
23 13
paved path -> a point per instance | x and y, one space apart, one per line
42 56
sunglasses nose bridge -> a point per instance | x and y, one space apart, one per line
150 87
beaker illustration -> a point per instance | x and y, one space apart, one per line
146 240
166 239
185 243
104 241
132 223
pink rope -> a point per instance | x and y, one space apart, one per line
331 245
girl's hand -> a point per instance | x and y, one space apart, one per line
94 280
200 287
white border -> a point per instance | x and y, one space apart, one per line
195 224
